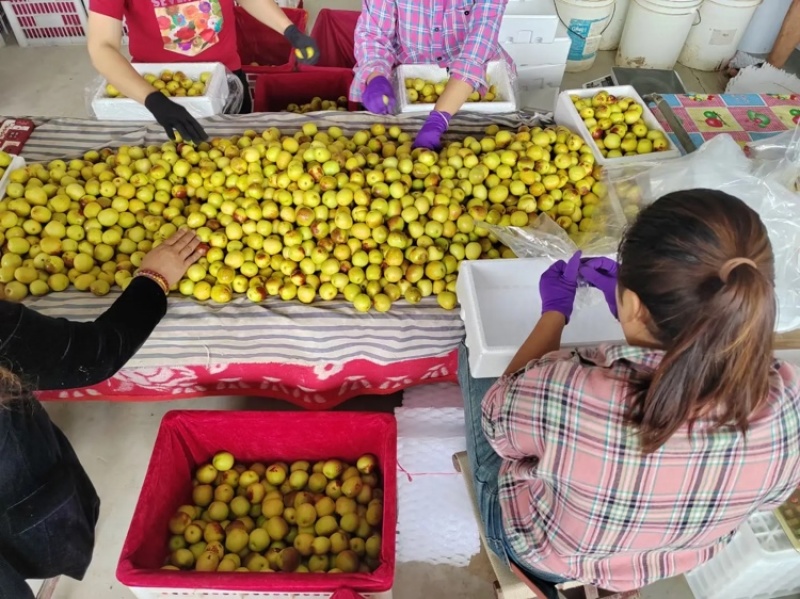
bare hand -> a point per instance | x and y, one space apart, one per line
174 256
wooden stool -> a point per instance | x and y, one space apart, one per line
48 588
510 583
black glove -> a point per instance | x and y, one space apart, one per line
174 117
305 48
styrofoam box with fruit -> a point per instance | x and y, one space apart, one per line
497 74
14 163
567 114
211 103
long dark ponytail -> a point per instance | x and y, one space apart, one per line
702 265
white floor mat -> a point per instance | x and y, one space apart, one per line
435 520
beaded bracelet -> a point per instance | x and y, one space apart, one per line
158 278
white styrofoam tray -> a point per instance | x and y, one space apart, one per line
497 74
209 104
568 116
529 22
17 162
500 305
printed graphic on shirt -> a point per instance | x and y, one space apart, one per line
189 28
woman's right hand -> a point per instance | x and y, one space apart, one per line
601 273
174 256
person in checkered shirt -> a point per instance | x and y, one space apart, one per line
620 465
461 35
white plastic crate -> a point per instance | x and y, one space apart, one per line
157 593
46 22
125 109
16 163
529 22
568 116
496 73
500 304
125 39
759 563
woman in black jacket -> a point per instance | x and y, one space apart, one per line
48 506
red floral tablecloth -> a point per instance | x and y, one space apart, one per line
745 117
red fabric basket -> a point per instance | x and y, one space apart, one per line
258 43
274 92
334 31
187 439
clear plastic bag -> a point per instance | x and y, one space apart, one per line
546 239
720 164
236 92
220 93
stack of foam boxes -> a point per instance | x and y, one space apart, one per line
532 34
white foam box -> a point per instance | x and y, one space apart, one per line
540 53
209 104
496 74
17 162
538 87
500 304
568 116
529 22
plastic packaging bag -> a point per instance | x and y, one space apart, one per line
219 93
546 239
720 164
778 158
236 93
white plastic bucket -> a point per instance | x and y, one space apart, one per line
613 33
764 27
712 42
655 31
586 21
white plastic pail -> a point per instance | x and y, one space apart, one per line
713 40
764 27
586 21
655 31
613 32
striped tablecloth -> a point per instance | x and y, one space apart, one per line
315 356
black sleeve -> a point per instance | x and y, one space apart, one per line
54 353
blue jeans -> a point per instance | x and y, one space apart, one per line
485 465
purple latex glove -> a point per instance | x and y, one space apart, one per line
602 274
430 136
378 96
558 286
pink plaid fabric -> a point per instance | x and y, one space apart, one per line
459 34
579 498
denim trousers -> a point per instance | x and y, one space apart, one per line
485 465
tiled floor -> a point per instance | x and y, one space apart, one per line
114 440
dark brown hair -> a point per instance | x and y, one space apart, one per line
717 334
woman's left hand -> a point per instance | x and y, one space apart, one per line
558 286
430 135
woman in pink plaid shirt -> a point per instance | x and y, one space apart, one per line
461 35
624 464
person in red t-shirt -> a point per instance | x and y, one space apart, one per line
178 31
